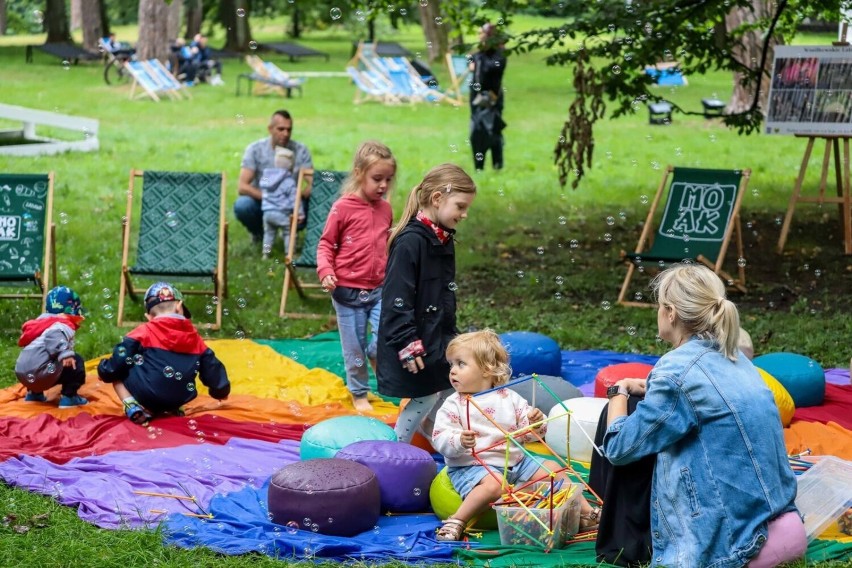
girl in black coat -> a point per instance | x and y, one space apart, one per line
418 298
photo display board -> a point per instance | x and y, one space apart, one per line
811 91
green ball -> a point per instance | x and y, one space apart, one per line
445 501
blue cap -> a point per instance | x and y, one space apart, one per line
160 292
63 300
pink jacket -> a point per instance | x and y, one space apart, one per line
353 246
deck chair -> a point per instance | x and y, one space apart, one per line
325 190
701 215
164 78
182 235
372 86
149 85
27 245
269 78
459 70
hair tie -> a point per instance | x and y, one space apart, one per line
449 187
719 302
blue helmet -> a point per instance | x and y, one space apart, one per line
63 300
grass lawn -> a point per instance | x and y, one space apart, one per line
532 256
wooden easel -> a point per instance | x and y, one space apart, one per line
832 142
842 181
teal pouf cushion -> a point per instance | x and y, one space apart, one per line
532 353
324 439
803 377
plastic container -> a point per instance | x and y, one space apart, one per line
824 494
517 525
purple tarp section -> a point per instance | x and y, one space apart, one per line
580 367
837 376
241 525
103 486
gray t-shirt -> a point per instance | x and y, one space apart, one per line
260 155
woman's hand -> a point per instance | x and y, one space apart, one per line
468 439
636 387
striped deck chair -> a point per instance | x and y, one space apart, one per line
27 235
167 81
182 235
701 215
269 78
325 190
149 84
371 86
458 67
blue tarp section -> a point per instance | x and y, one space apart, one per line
241 524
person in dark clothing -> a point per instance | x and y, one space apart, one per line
418 318
154 367
486 98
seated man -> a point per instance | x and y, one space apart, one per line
209 69
183 60
260 155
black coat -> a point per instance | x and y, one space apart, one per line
418 302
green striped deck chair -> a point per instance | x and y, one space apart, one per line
182 236
701 215
27 245
325 190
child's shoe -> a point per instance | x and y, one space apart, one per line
69 401
35 397
136 413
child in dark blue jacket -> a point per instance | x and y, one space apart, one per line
154 367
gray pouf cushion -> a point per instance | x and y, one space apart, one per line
544 401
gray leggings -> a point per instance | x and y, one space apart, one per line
419 414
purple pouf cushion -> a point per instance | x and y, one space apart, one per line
331 496
405 472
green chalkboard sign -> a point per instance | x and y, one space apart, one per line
25 202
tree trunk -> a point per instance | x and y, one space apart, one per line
153 37
436 35
173 20
91 23
104 18
2 17
56 22
194 17
296 29
751 54
76 14
234 16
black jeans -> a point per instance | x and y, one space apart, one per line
72 379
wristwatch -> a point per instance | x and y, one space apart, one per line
616 390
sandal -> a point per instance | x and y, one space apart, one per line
451 529
136 413
590 521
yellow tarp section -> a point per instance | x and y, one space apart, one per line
265 386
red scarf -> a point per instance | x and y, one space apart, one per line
443 234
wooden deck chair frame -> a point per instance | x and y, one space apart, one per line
13 228
732 230
456 78
291 277
142 78
267 81
218 276
167 80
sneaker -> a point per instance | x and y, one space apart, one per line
35 397
136 413
69 401
216 81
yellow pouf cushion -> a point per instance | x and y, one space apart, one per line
783 400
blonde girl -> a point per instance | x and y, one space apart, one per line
419 296
351 259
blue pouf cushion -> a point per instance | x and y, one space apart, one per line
326 438
532 353
538 391
329 496
803 377
405 472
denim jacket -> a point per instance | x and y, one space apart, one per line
722 471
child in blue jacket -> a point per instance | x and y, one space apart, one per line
154 367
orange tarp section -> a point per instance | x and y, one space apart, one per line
821 439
